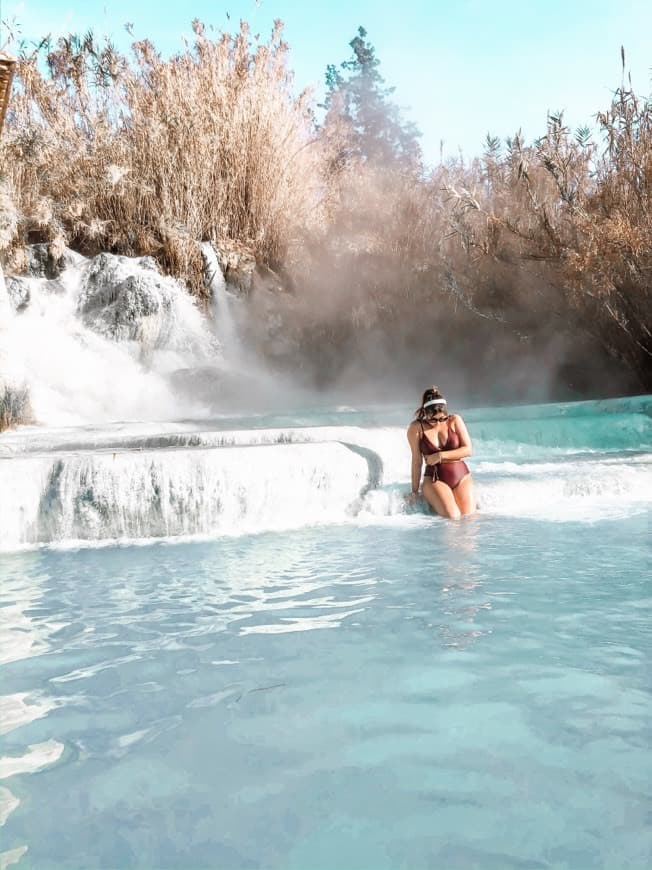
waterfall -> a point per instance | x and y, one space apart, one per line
104 341
175 481
248 381
131 386
5 305
222 301
15 405
158 494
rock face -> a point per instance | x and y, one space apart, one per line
269 281
128 299
44 269
18 292
43 263
241 273
238 265
120 298
100 341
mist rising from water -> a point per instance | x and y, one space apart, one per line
92 352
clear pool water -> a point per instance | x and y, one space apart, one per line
382 690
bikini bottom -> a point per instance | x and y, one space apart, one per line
451 473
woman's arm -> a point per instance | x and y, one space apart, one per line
466 446
417 459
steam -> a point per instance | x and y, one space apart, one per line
385 304
111 339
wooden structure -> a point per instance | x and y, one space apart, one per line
7 64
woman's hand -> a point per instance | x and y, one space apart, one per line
411 498
433 459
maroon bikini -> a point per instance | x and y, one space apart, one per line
451 473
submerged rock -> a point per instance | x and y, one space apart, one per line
18 292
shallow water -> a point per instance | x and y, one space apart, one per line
367 689
459 695
234 476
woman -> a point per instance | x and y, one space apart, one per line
442 440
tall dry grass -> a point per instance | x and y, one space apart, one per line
142 155
563 227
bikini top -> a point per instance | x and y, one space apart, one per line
426 446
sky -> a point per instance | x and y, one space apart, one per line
461 68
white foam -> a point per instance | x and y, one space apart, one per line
8 803
22 708
588 491
135 483
39 755
22 635
11 856
153 494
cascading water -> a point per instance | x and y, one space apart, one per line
327 678
5 304
103 341
222 301
172 481
14 391
111 340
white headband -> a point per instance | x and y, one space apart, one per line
441 401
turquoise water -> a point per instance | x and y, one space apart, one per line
390 690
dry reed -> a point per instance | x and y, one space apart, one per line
150 156
142 155
564 227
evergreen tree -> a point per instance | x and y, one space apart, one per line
356 94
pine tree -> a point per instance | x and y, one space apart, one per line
356 94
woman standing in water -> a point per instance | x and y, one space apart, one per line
442 440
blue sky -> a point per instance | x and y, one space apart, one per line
463 67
